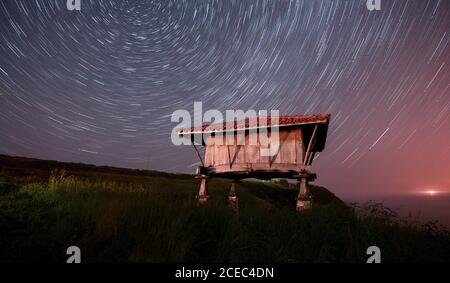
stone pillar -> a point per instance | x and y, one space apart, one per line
304 201
233 200
203 193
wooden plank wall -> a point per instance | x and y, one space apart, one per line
291 151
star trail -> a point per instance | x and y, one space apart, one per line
99 85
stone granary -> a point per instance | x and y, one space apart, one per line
238 151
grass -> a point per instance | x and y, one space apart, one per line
159 221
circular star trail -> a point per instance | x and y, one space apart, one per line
99 85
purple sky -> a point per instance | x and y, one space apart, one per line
99 85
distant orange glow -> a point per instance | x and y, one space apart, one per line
432 192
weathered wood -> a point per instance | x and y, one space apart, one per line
238 154
198 154
236 157
233 200
304 195
203 193
263 147
299 146
209 154
312 152
287 151
249 167
308 151
220 155
229 157
290 151
283 135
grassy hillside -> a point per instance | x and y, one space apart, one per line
122 215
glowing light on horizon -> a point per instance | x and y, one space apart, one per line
432 192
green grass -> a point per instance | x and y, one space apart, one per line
158 220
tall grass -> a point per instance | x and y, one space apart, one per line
160 221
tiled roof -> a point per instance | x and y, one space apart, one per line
253 123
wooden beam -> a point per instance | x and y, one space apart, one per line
312 153
238 146
229 156
295 146
300 149
303 145
237 150
310 144
198 154
279 149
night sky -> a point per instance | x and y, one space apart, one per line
100 85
